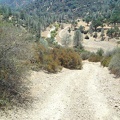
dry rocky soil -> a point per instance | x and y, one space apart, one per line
88 94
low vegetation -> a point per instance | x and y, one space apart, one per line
15 54
52 60
106 61
53 34
85 55
95 58
114 32
91 56
110 59
114 65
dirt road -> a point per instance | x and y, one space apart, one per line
63 31
88 94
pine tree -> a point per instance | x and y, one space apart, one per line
78 38
66 40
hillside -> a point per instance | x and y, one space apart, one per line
15 3
69 8
37 15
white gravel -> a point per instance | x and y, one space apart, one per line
49 34
88 94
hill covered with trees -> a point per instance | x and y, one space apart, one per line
15 3
37 15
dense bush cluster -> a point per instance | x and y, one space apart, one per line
112 60
95 58
92 56
107 58
67 58
54 59
85 55
113 32
53 34
106 61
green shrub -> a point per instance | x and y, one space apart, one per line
100 52
79 49
53 34
110 53
113 32
44 42
95 58
105 61
85 55
114 65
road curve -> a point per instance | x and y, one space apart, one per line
63 31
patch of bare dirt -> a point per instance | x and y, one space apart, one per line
88 94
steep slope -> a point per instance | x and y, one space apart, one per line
68 7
